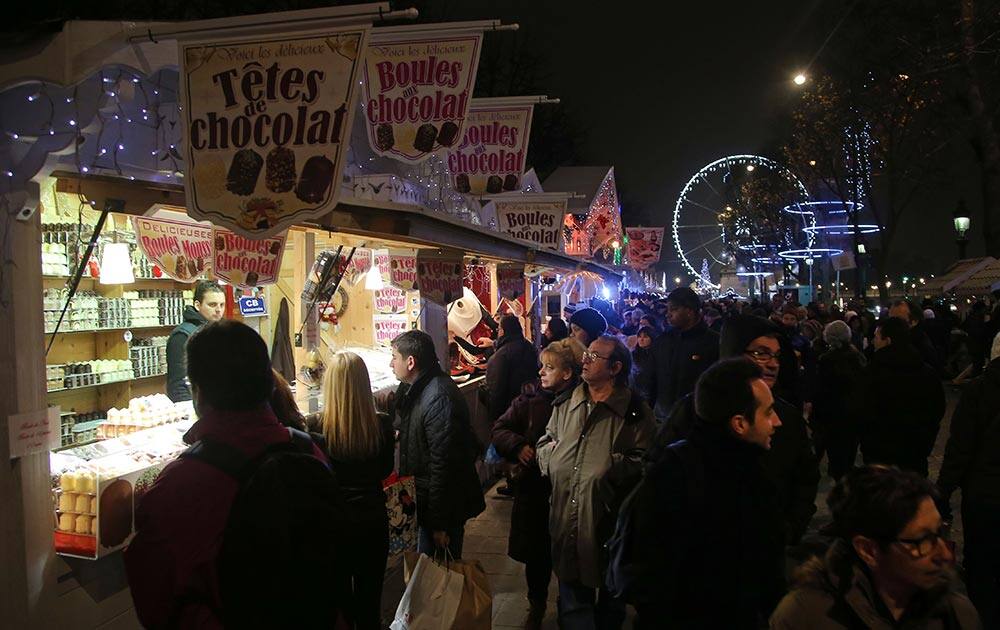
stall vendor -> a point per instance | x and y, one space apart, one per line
209 306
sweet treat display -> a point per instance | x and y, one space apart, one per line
252 278
426 135
82 504
510 182
384 139
448 134
67 522
316 178
494 184
67 502
280 174
83 524
462 183
243 172
143 413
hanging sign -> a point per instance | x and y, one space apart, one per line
390 300
534 218
246 262
251 306
417 91
380 257
267 121
403 269
33 432
181 249
510 282
440 276
388 327
490 158
644 246
361 262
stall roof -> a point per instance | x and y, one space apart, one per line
582 180
956 274
982 282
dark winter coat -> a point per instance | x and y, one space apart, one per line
972 456
360 480
903 406
790 464
178 388
642 377
514 363
437 447
523 424
679 358
839 388
715 559
836 593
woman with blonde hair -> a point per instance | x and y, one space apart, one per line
360 446
515 434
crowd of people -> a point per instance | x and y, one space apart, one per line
662 453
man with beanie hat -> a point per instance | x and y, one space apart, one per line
586 325
683 352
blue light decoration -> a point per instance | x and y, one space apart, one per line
810 253
823 207
842 230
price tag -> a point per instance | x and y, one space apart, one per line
252 307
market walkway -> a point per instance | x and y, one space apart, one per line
486 541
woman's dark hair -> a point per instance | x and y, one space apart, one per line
877 501
511 326
557 329
725 390
895 329
649 331
419 345
206 286
227 362
283 404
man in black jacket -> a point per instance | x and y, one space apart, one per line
209 306
972 463
903 402
706 523
436 444
683 352
908 312
514 363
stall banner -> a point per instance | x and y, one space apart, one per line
361 262
510 282
390 300
267 120
380 257
490 158
439 276
417 91
534 218
403 269
388 327
181 249
247 262
644 246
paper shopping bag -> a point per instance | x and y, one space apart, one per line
475 612
431 598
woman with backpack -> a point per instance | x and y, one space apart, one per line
514 435
360 446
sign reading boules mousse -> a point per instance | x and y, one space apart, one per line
417 92
535 218
490 159
267 121
181 249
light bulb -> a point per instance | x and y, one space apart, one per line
116 264
373 279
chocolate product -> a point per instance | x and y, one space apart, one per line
82 504
200 264
67 522
220 243
93 526
462 183
67 481
93 505
426 135
317 175
510 182
192 267
83 524
280 174
449 131
494 184
67 501
116 513
275 248
180 269
384 139
243 172
252 278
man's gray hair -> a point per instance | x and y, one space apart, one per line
837 334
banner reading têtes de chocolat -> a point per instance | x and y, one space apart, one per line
490 158
644 246
267 121
439 276
245 262
181 249
536 218
417 91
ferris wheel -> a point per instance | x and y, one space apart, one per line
730 213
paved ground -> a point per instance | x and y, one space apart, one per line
486 541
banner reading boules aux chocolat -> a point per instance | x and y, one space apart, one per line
181 249
535 218
490 158
417 92
245 262
267 119
439 276
644 246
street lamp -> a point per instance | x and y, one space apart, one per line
799 79
962 223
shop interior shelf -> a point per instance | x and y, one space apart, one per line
102 330
163 279
124 380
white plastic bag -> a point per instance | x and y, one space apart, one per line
431 598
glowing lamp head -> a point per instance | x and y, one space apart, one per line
800 79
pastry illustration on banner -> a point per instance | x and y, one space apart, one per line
246 262
182 250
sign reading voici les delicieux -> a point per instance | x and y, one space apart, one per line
267 119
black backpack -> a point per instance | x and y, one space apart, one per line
276 564
624 561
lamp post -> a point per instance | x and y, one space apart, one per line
962 223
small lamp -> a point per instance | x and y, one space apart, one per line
373 279
962 219
116 264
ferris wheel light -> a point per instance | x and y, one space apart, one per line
749 168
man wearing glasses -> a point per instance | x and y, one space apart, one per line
890 567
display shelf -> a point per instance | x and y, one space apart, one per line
93 279
108 330
95 385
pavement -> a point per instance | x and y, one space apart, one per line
486 542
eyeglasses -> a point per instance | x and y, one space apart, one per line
926 544
762 356
589 356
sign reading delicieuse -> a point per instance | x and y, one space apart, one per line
644 246
439 276
246 262
181 249
267 119
535 218
417 92
490 158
